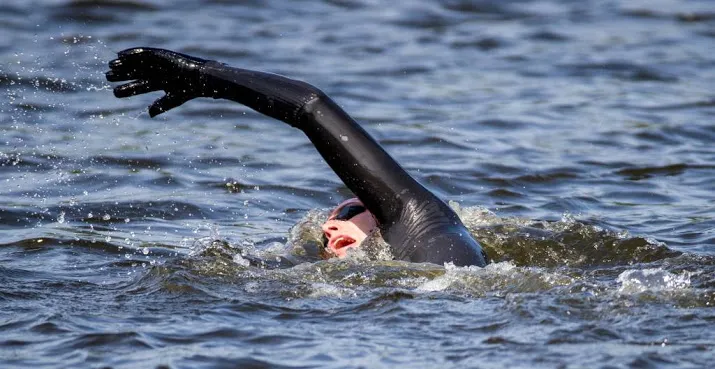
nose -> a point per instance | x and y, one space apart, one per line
329 227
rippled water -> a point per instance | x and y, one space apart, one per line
575 138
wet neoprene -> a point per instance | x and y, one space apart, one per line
419 226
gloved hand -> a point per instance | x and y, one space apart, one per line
152 69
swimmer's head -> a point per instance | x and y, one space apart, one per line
347 226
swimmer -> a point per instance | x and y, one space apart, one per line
417 225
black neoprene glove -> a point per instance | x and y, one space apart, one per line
151 69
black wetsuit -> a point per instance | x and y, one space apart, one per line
418 226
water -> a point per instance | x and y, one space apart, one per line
575 138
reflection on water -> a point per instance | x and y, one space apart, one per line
574 139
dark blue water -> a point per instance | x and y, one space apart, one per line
575 138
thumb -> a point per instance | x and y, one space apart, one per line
166 103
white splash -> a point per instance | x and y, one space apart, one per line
238 259
656 279
318 290
454 274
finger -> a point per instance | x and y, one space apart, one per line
166 103
134 61
151 55
129 56
141 55
123 69
135 88
121 75
136 51
116 63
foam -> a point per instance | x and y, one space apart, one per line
655 279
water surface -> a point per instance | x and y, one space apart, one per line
575 139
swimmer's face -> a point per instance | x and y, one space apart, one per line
347 226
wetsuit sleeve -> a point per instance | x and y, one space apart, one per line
419 226
360 162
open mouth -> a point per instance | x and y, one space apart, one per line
341 242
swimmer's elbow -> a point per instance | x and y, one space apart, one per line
310 108
319 109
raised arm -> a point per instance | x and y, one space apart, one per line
362 164
419 226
